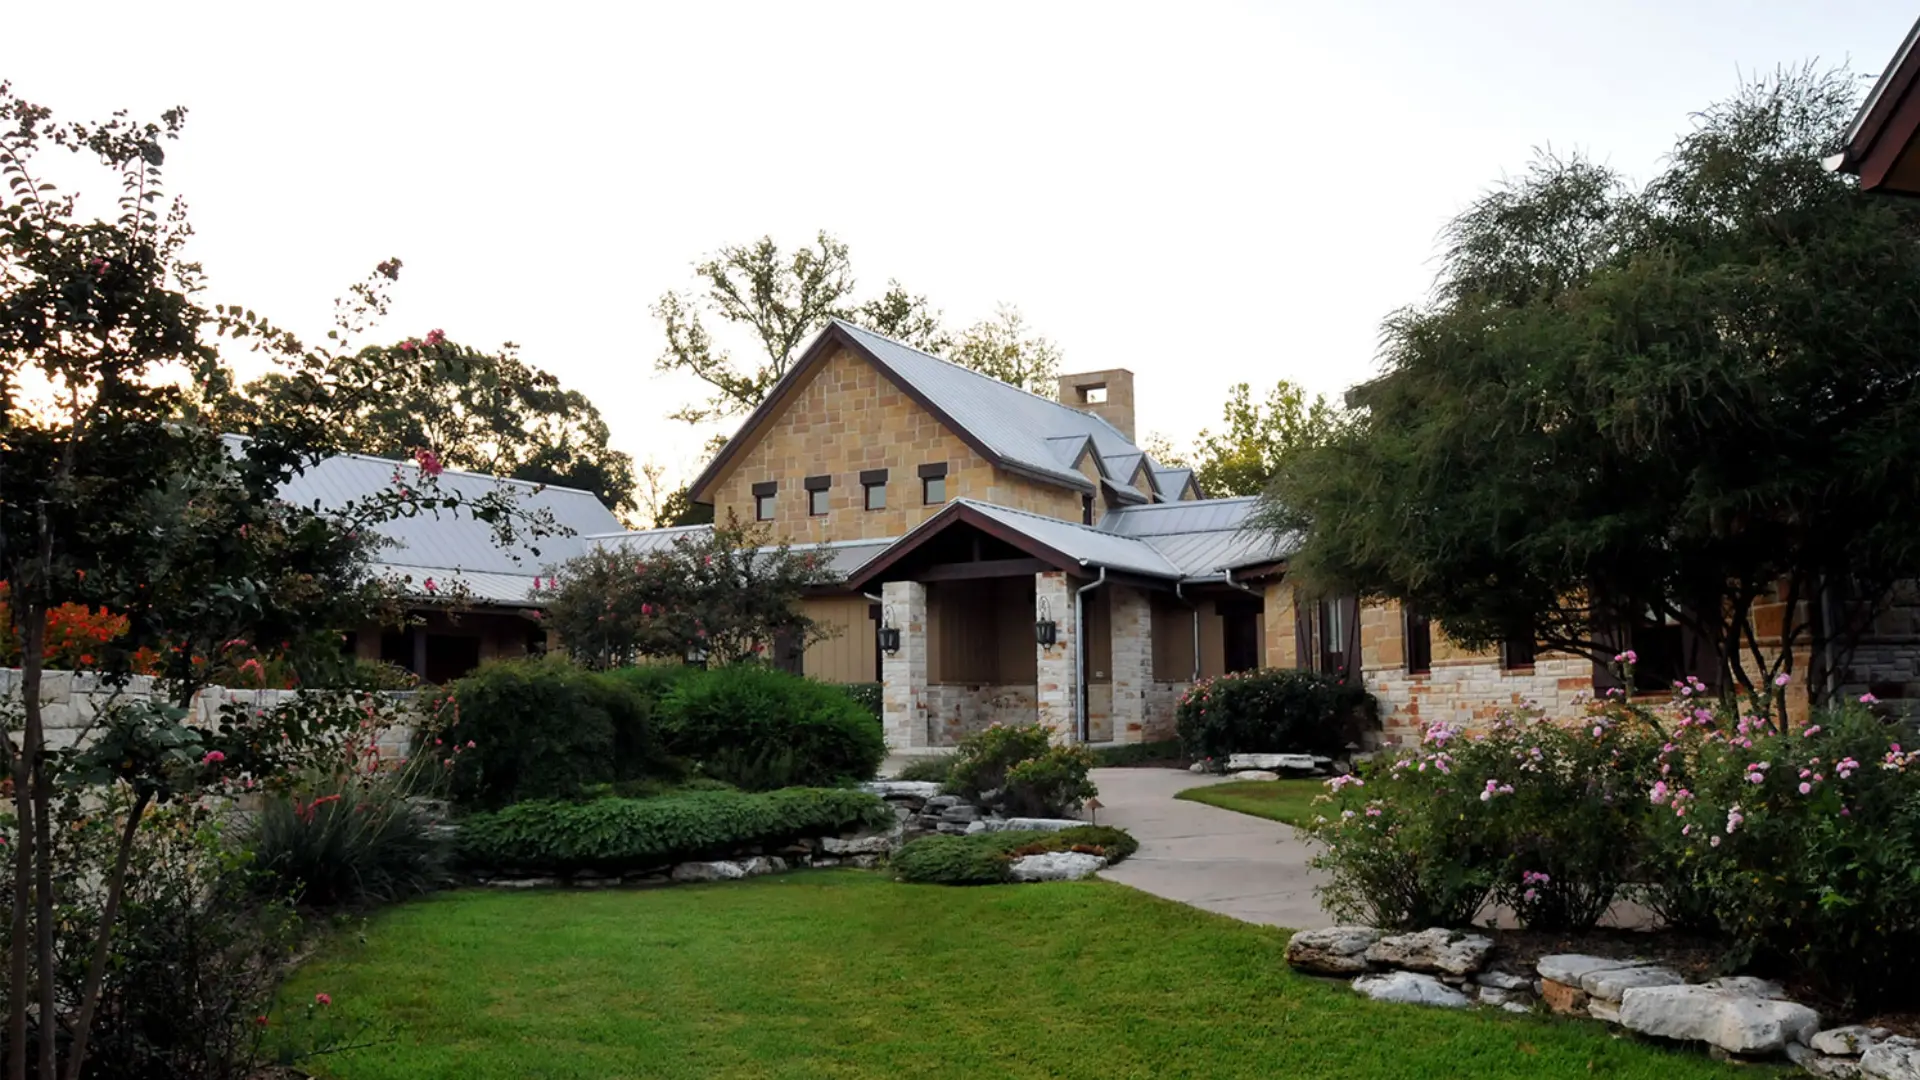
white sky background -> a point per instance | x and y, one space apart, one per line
1205 194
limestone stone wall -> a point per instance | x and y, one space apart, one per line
1131 621
1161 699
849 418
956 711
1472 693
72 700
1057 682
903 695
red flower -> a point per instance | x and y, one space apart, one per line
435 337
430 585
429 462
322 999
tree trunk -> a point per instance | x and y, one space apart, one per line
103 938
32 659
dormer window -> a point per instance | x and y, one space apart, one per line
763 496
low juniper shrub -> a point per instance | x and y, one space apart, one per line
985 858
615 836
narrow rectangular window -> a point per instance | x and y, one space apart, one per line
763 496
817 497
1086 509
1517 653
1419 643
933 483
873 482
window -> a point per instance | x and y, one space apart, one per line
817 488
1094 395
1086 509
1419 643
1517 653
933 483
873 483
1339 620
763 495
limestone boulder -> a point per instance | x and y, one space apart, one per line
1274 762
1501 980
1609 985
1735 1022
921 790
1826 1065
1896 1058
877 844
1849 1041
1056 866
1335 950
1570 968
1410 988
1026 824
1439 951
1748 984
1256 774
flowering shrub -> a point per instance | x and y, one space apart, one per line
1544 817
1803 847
1271 710
1016 769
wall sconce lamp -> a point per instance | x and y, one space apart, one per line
889 634
1045 630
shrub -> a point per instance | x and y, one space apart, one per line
1805 846
541 728
1015 769
1547 818
868 696
614 836
1272 710
984 858
932 770
762 729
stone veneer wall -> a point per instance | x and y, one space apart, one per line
903 673
1474 693
849 418
1161 699
72 700
955 711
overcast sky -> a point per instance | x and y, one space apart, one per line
1204 193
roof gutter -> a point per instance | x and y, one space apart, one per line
1082 725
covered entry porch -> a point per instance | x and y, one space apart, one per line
989 615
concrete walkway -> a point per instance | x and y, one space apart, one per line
1234 864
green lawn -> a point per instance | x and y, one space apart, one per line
847 974
1290 801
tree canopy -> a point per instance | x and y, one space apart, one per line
483 412
1632 407
1243 456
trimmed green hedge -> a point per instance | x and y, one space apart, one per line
614 836
761 729
1272 711
984 858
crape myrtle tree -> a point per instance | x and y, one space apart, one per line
727 595
1630 407
114 494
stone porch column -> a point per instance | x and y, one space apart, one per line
1057 678
1132 617
903 674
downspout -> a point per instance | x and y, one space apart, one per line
1178 595
1080 652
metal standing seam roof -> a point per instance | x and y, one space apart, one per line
453 548
841 557
1203 537
1026 430
1084 543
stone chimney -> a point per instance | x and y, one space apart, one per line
1106 394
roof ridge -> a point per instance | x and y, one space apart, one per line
1055 402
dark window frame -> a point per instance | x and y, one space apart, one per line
933 475
1419 643
874 482
765 499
